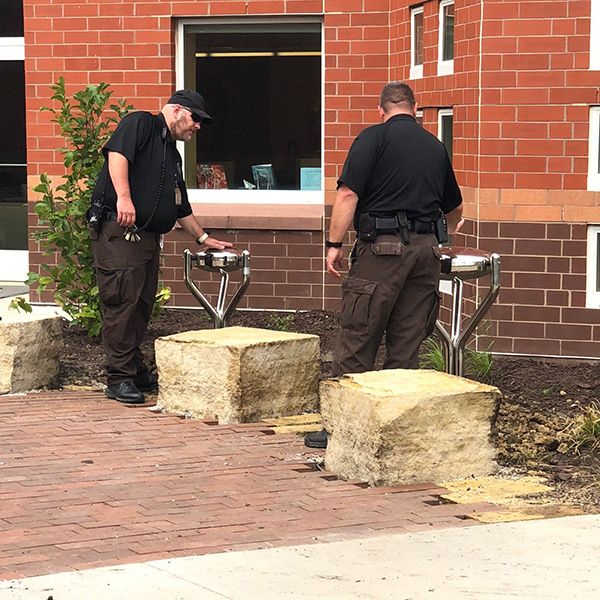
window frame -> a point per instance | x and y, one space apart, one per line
595 36
592 283
416 70
445 67
249 197
14 264
445 112
593 180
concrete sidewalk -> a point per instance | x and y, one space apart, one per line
554 558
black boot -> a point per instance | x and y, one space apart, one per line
125 392
146 382
316 439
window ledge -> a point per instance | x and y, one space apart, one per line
296 217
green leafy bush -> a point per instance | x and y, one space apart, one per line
85 124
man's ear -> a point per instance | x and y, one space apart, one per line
380 111
415 110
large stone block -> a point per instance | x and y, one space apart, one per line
238 374
30 348
400 426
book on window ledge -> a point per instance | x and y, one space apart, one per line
211 177
264 179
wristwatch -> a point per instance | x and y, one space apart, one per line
202 238
329 244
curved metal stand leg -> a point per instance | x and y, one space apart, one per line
455 342
187 275
219 314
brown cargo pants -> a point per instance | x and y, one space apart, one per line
391 289
127 277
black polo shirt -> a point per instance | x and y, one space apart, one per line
398 165
144 139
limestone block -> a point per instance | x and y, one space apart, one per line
238 374
30 348
402 426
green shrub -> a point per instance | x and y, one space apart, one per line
281 322
431 355
476 365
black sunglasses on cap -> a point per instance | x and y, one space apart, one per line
196 118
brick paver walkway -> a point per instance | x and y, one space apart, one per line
86 482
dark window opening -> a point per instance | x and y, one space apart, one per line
262 85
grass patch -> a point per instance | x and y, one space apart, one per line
584 431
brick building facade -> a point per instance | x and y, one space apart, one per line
512 88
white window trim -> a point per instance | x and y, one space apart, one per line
595 36
443 112
12 48
592 296
251 196
445 67
416 71
14 263
593 182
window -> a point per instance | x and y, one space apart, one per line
446 38
592 297
445 116
595 36
11 24
262 81
14 262
416 42
594 150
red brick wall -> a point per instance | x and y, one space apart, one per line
520 135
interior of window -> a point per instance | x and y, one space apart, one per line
417 36
262 85
11 23
445 129
13 171
448 32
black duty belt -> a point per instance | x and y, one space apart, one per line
391 225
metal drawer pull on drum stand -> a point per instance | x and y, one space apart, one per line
223 262
460 264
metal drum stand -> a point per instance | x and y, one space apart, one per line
460 264
223 262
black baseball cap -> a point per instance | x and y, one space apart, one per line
192 100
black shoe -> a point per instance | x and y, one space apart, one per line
146 382
316 439
125 392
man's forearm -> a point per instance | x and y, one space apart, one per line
454 218
342 213
190 225
118 168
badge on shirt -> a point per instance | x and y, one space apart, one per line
177 197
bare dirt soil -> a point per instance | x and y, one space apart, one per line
540 397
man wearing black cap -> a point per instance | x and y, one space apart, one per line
140 195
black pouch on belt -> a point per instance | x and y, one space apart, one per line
366 228
441 229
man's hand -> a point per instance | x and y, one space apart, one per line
457 227
454 219
334 259
125 212
217 244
